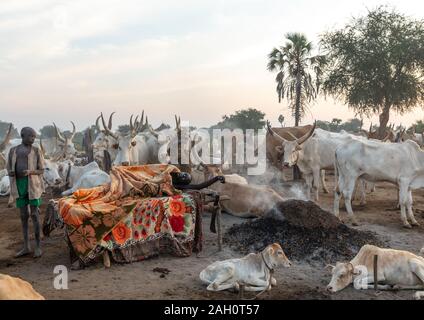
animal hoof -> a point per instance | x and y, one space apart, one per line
407 226
415 223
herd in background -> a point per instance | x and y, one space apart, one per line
357 158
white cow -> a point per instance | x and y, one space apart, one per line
4 183
104 142
2 161
51 173
253 271
395 268
59 147
132 148
399 163
314 152
50 176
88 176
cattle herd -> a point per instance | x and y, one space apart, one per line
359 160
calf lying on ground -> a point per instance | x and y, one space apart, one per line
253 270
396 269
17 289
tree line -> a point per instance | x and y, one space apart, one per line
374 64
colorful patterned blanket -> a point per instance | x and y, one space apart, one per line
140 206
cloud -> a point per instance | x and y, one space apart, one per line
72 59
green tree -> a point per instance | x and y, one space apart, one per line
299 73
352 125
375 64
124 128
281 120
417 126
334 125
243 119
48 132
324 125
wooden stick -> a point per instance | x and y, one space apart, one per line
241 291
106 259
218 220
375 273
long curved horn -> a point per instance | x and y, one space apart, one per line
131 124
106 129
42 148
142 118
291 135
269 129
73 131
136 126
307 136
152 131
58 133
97 124
109 125
275 134
6 138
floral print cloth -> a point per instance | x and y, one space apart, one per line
139 205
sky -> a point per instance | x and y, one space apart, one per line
71 60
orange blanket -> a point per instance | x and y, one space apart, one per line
91 214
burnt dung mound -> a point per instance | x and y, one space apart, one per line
305 232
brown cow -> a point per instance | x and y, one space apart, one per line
290 133
245 200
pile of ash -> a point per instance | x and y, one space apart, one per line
305 232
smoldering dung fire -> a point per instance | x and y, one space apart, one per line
304 230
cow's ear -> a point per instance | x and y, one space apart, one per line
271 251
350 267
279 149
357 271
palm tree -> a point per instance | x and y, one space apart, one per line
299 73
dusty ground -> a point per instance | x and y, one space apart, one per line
138 281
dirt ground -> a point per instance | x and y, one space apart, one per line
138 281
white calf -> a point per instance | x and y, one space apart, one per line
253 271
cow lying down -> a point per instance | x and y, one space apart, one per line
88 176
12 288
396 270
253 270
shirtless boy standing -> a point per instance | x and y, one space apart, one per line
25 169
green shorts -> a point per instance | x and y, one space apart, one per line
23 200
